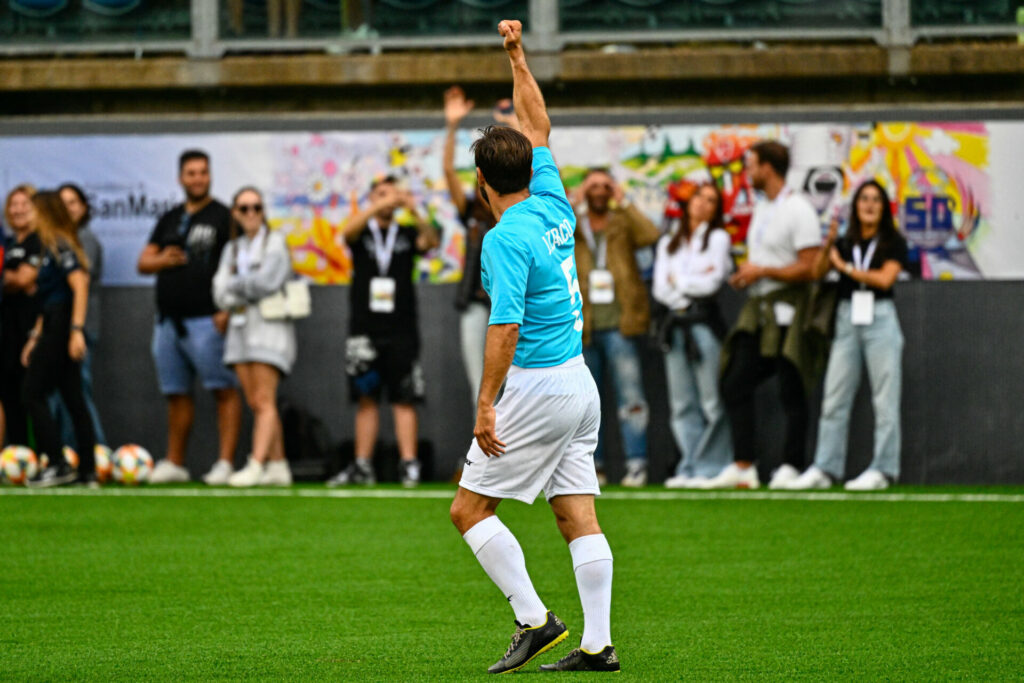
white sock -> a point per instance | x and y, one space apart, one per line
502 558
592 562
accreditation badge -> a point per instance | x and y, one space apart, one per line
784 313
382 295
602 286
862 307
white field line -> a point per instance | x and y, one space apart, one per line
812 496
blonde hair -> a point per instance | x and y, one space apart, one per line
25 189
54 225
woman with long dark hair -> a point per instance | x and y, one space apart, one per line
77 204
254 265
869 260
690 267
18 308
56 346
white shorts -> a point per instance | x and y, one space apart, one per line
549 419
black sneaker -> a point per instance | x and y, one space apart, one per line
578 660
55 475
355 473
410 470
528 642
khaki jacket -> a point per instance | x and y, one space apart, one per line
627 230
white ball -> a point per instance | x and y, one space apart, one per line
104 463
132 464
18 464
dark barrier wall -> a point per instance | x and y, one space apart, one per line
962 420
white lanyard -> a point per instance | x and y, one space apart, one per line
863 261
384 248
600 251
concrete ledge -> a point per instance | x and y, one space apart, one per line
574 66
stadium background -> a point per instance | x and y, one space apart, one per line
153 68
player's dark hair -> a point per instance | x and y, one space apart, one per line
604 170
191 155
82 198
773 153
385 180
886 224
505 158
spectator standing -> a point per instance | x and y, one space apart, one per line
471 300
18 310
616 311
783 243
382 351
256 264
188 337
690 268
56 346
868 261
77 205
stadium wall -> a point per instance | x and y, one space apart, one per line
962 376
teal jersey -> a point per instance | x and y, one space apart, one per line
529 271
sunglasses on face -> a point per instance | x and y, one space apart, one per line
249 208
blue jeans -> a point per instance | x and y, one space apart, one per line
880 346
697 415
60 413
609 347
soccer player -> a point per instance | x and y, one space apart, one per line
542 434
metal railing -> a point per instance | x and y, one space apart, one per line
206 29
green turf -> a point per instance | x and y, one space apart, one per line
291 588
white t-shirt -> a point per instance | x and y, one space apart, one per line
779 229
691 272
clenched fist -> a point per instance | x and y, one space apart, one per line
512 31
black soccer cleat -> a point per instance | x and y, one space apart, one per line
580 660
528 642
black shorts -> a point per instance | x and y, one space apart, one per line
396 370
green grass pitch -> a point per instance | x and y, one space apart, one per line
305 587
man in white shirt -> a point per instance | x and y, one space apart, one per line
782 245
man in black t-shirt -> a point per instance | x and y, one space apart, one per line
188 339
382 351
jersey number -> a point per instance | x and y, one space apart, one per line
574 291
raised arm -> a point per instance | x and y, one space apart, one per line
456 106
358 221
526 96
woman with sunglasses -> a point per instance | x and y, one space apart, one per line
691 265
868 260
18 308
56 345
255 265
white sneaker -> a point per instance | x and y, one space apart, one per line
679 481
636 475
813 478
248 475
276 473
783 477
166 472
734 477
869 480
219 473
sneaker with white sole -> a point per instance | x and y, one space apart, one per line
869 480
783 477
636 474
359 471
276 473
219 473
679 481
410 473
734 477
248 475
813 478
166 472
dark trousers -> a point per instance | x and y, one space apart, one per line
747 369
12 375
49 369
